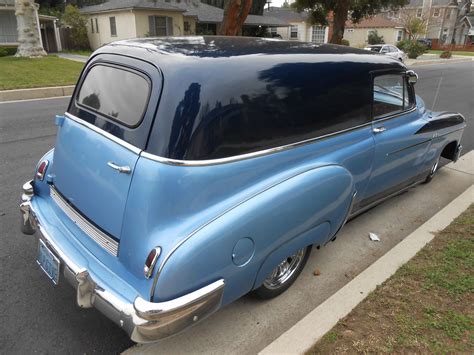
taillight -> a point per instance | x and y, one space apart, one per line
151 261
42 170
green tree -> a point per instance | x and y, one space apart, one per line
77 22
343 10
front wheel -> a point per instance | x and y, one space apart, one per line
283 276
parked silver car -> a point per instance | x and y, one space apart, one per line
387 49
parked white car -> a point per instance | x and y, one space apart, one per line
387 49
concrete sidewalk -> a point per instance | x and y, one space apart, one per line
247 326
426 59
74 57
304 334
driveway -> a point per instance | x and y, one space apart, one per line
35 316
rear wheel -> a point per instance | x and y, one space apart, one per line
283 276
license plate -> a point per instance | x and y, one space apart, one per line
48 262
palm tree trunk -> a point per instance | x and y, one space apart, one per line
28 29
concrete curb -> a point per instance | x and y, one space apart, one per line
304 334
438 61
36 93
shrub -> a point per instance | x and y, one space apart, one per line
73 18
6 51
414 49
374 38
403 45
446 55
345 42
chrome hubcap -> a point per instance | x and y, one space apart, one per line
434 168
284 270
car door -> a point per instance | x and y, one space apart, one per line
99 141
399 151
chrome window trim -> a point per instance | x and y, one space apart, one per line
245 156
123 143
395 115
106 242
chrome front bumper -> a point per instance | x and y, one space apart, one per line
143 321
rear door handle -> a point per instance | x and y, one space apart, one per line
121 169
379 129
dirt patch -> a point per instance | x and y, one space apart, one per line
427 306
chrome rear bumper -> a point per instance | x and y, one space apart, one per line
143 321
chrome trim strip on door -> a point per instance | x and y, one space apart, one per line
259 153
106 242
123 143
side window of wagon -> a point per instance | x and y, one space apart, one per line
391 95
118 94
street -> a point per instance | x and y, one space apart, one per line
37 317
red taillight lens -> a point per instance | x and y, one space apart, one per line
151 261
42 170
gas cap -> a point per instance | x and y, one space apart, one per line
243 251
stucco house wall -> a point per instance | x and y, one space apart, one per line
125 25
357 37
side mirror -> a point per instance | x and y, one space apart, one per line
412 77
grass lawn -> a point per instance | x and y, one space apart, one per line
471 54
426 307
19 73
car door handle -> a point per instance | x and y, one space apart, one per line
379 129
120 169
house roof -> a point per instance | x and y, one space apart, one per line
373 22
191 8
286 15
113 5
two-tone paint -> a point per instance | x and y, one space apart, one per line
222 222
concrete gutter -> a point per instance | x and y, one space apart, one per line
304 334
36 93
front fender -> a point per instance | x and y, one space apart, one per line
304 209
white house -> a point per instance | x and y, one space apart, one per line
298 28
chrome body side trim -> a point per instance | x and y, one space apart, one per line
93 232
259 153
143 321
123 143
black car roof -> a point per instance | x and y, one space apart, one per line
222 46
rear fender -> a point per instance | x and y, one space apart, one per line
250 238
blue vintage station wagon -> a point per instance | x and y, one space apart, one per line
188 172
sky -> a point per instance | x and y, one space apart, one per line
277 3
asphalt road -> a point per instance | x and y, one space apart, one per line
37 317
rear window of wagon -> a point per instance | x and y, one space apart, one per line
118 94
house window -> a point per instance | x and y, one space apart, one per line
160 25
419 12
318 34
436 12
206 28
92 25
293 32
96 25
399 35
113 26
273 30
186 26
